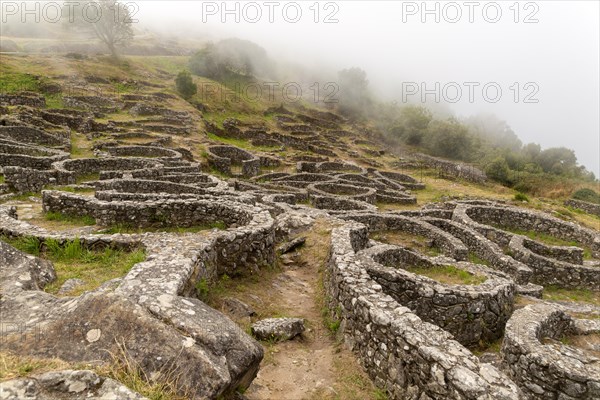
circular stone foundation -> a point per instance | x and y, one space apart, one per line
345 191
472 312
550 371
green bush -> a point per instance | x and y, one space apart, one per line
185 84
521 197
587 195
498 170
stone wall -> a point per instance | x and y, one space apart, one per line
548 371
407 357
447 243
345 191
30 135
472 313
24 98
589 208
36 157
530 220
223 157
550 271
485 249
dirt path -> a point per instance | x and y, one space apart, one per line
315 366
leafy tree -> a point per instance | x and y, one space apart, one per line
353 93
108 20
498 170
557 160
450 139
412 124
185 84
206 63
230 56
495 131
532 151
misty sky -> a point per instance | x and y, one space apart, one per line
554 60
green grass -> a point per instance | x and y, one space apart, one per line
12 82
475 259
243 144
207 292
54 101
408 240
547 239
1 178
85 220
521 197
94 176
80 146
448 274
488 347
128 229
72 259
23 196
552 292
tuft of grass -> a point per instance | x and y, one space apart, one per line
475 259
552 292
209 293
72 259
448 274
85 220
126 370
1 178
122 369
12 366
521 197
488 347
27 244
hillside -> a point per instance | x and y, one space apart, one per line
157 231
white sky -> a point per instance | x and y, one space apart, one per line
559 54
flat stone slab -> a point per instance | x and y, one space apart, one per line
278 328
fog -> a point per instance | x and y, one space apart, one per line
550 52
533 64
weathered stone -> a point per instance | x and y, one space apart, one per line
291 245
71 385
278 328
237 307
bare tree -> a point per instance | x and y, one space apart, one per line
108 20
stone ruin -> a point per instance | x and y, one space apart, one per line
413 334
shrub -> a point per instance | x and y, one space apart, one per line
185 84
498 170
521 197
587 195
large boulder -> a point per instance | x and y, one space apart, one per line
166 338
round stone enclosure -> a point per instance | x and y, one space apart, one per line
472 313
550 370
347 191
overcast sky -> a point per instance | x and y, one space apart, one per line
542 55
